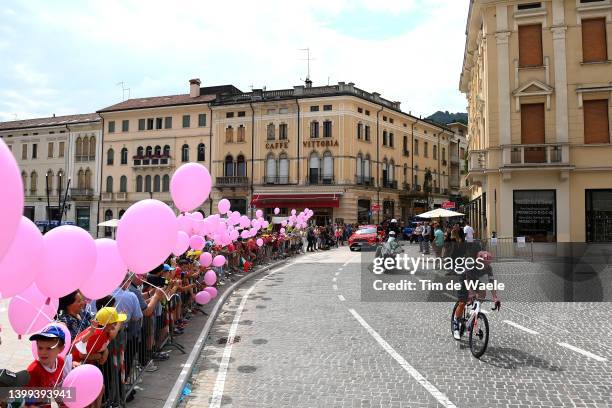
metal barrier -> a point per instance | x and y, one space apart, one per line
507 248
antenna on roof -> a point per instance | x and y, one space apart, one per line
123 89
308 59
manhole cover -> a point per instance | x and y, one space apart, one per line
225 340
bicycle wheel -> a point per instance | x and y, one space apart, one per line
453 317
479 336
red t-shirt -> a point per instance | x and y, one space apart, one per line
94 344
40 377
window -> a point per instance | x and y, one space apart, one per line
271 111
425 149
390 120
271 132
385 173
314 129
168 122
82 217
108 215
202 120
594 44
282 131
533 131
240 137
125 126
391 171
166 151
530 45
444 153
327 128
435 152
270 168
141 124
123 184
157 183
229 166
148 184
384 138
49 181
462 153
390 139
149 151
165 183
139 184
314 165
150 123
367 133
124 155
186 121
241 114
359 168
33 182
62 147
384 118
328 167
359 110
229 115
314 108
283 167
367 112
229 135
140 151
366 168
241 166
60 181
81 179
596 122
50 150
185 153
405 145
92 148
157 151
34 150
283 110
359 131
159 123
110 157
111 126
87 178
109 184
528 6
201 152
327 107
416 147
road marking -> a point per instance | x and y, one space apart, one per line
518 326
342 299
335 287
437 394
334 280
583 352
339 269
448 295
337 273
217 393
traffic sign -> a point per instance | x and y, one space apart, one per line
448 205
375 207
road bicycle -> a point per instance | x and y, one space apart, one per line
476 324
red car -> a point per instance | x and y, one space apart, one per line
366 235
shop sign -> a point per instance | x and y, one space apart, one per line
277 145
320 143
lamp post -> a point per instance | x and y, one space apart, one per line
48 203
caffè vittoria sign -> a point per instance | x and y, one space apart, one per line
320 143
277 145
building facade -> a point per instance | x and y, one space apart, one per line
538 80
349 155
59 161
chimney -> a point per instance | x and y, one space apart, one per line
194 87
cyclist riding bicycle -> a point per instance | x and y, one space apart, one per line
473 275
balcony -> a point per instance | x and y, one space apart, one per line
477 161
535 155
121 196
232 181
79 158
107 196
364 181
275 180
444 162
151 161
314 179
389 184
406 186
81 193
416 187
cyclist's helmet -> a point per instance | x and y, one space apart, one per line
391 233
486 257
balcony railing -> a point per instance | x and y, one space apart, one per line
416 187
81 193
313 179
107 196
276 180
535 155
151 161
477 160
84 158
444 162
232 181
389 184
121 196
363 180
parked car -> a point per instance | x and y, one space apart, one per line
365 236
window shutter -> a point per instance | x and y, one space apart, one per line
596 125
594 45
530 45
533 131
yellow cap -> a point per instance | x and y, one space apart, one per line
109 315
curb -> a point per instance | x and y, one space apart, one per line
174 398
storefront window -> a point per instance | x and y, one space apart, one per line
82 217
599 215
238 204
28 212
388 209
535 215
363 211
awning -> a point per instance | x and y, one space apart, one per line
313 200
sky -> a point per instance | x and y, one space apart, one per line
66 57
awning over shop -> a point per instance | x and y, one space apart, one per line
312 200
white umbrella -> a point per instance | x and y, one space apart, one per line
440 213
110 223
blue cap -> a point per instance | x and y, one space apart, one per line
168 268
51 332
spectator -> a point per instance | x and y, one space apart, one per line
73 314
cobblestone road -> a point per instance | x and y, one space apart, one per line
304 338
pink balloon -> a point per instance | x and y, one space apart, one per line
282 230
69 257
265 224
182 243
206 259
211 291
190 186
245 222
255 224
186 223
108 273
146 235
196 242
277 211
202 297
245 234
218 260
197 216
234 235
223 206
67 340
87 381
11 205
28 313
283 223
258 214
293 211
210 278
259 242
20 265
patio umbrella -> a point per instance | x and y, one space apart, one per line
440 213
110 223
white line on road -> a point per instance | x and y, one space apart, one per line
217 394
335 287
583 352
334 280
437 394
342 299
337 273
339 269
518 326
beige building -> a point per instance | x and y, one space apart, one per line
336 149
538 78
59 160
